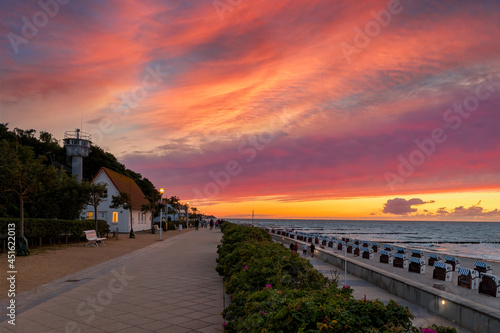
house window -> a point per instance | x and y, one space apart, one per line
105 194
115 217
90 215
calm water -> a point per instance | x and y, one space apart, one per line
467 239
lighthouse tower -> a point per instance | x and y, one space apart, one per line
77 146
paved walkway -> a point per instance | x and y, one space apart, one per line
170 286
423 318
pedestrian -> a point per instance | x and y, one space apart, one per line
312 249
211 224
304 249
196 224
296 247
292 247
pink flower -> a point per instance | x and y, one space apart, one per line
262 312
269 285
224 325
246 267
428 330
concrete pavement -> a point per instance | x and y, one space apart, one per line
171 286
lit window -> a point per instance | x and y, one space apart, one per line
90 215
115 217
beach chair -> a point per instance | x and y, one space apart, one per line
454 262
92 239
468 278
309 239
400 260
323 242
482 267
347 240
442 271
386 257
356 242
389 248
402 250
273 231
340 245
292 235
367 253
330 243
349 247
316 240
490 285
433 258
417 265
356 250
375 247
365 244
417 254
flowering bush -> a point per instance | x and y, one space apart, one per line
275 290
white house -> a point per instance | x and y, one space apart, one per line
119 217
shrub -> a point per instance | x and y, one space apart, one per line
275 290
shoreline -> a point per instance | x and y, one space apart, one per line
450 287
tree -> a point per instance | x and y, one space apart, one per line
97 192
19 173
154 206
124 200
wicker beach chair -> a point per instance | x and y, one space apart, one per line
400 260
490 285
386 257
417 254
330 243
417 265
349 247
468 278
340 245
433 258
357 242
365 244
367 253
388 248
402 250
482 267
356 250
442 271
375 247
454 262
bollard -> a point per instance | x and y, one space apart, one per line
117 233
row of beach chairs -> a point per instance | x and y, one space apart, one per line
415 262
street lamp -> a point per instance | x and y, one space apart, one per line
161 209
187 215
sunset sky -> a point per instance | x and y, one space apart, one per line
294 109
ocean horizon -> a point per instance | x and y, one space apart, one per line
478 240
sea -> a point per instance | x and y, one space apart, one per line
478 240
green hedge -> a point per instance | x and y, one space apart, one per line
275 290
50 231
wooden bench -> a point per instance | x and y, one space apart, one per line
400 260
490 285
417 265
92 239
468 278
386 257
432 259
442 271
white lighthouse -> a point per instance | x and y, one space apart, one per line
77 146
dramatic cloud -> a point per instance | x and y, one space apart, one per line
307 102
400 206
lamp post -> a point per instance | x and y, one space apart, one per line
187 214
161 209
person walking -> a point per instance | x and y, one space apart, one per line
211 224
312 249
292 247
304 249
296 247
196 224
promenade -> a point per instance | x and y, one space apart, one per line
171 286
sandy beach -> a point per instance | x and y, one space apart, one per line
49 263
451 287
